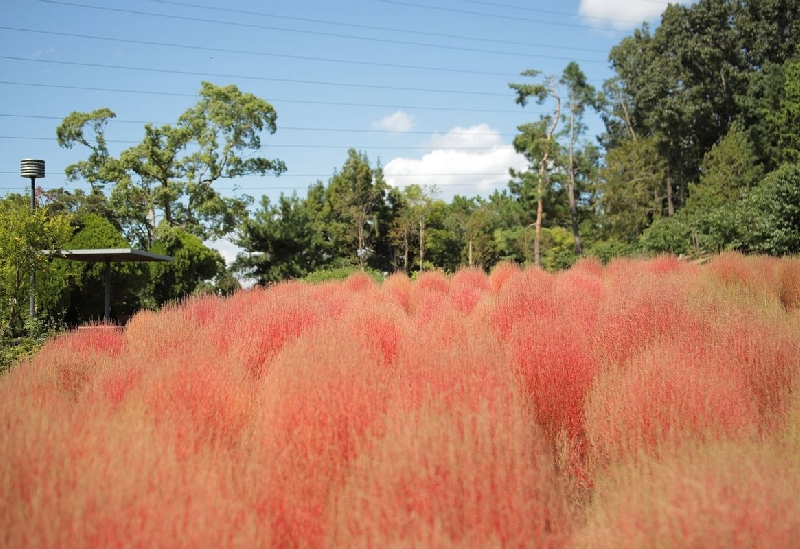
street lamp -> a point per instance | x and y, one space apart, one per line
34 169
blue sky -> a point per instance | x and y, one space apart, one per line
421 85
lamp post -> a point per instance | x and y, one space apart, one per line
34 169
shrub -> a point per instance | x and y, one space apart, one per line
715 496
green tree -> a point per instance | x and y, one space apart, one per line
770 216
728 172
193 263
631 189
580 94
473 220
23 236
355 197
788 117
281 241
536 141
171 174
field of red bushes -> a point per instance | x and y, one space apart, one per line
639 404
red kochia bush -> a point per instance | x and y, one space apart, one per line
556 364
322 395
525 295
452 475
467 287
640 310
472 411
708 496
656 400
789 283
500 275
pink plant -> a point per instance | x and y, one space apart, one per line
660 398
452 475
467 287
708 496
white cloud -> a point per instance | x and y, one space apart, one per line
466 161
621 14
226 248
398 122
41 53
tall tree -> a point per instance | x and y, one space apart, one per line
473 218
580 94
536 141
171 173
281 241
631 189
355 196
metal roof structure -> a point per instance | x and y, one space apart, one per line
113 255
108 256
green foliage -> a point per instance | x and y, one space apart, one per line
770 216
667 235
340 273
729 170
224 284
282 241
606 250
354 198
173 170
788 117
193 262
558 249
23 236
631 188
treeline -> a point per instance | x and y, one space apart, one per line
698 155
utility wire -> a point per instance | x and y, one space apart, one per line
272 100
484 14
299 145
301 31
280 128
551 12
258 53
373 27
250 77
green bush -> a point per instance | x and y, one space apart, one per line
340 273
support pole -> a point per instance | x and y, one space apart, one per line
33 269
33 169
107 308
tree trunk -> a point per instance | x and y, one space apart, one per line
405 251
360 252
537 238
167 205
537 256
421 243
573 208
670 200
469 253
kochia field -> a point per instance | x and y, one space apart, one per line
640 404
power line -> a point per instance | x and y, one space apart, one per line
540 10
281 128
441 174
373 27
258 53
484 14
250 77
296 146
300 31
272 100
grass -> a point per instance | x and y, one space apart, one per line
641 404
